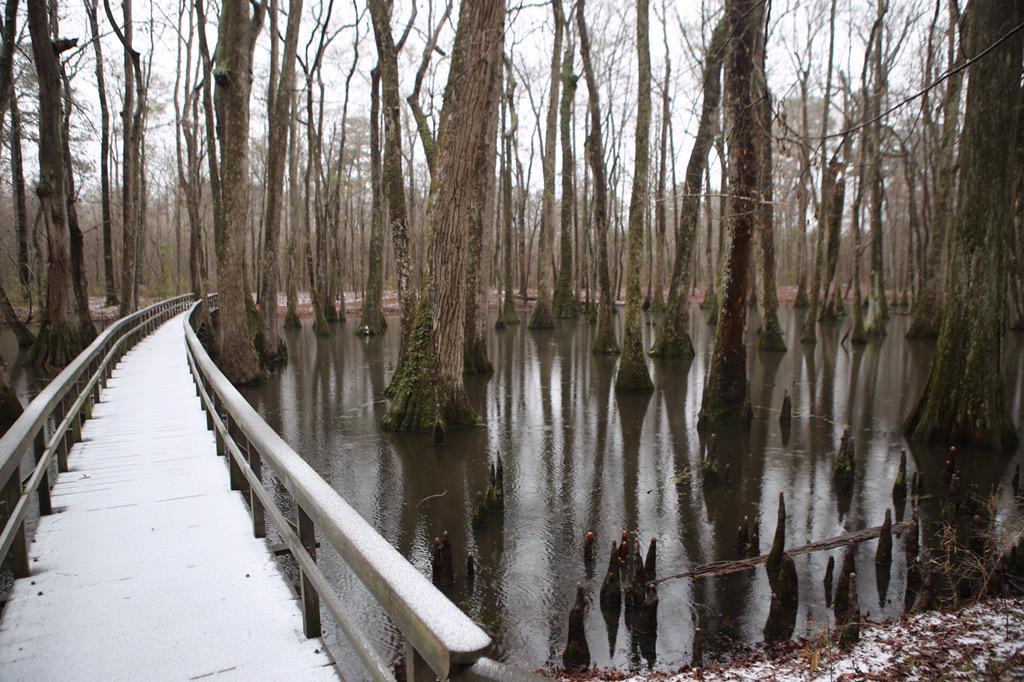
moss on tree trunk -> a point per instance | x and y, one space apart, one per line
633 374
963 399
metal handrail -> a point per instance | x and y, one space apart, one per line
67 400
440 639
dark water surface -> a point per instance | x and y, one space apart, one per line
579 457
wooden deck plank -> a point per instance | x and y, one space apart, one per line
149 568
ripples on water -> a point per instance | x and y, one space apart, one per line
578 457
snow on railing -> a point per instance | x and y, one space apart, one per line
67 400
440 640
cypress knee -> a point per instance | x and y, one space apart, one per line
786 415
899 486
611 589
650 564
577 652
697 656
829 569
851 628
883 552
841 603
774 562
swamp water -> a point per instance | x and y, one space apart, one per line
578 457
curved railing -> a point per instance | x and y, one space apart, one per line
67 400
440 640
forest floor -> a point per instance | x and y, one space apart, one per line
981 641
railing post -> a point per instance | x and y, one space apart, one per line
310 599
62 444
259 524
19 548
38 447
416 668
235 477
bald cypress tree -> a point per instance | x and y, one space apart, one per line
963 400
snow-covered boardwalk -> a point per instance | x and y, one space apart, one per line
148 568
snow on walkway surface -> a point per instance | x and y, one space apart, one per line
149 569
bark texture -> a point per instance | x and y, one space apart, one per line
633 374
726 387
566 305
372 323
429 393
963 399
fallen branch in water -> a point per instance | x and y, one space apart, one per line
430 497
719 568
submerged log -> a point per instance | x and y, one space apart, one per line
577 652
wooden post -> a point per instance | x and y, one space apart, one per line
416 668
38 447
310 599
63 446
237 480
259 525
19 548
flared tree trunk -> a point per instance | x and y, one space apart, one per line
604 338
725 390
429 393
963 399
541 317
633 374
238 357
674 336
59 339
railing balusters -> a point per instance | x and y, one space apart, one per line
310 599
259 524
62 445
235 477
38 447
19 548
416 668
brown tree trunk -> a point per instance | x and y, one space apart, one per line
633 374
238 358
280 95
372 323
108 248
394 189
542 318
604 338
769 334
566 305
878 306
508 313
725 391
963 399
429 394
59 339
674 337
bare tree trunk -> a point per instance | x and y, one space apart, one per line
725 392
508 309
604 338
291 317
878 306
633 374
372 321
274 350
674 337
963 400
660 211
927 314
59 339
101 88
430 395
769 335
394 189
20 201
131 164
238 358
541 318
808 334
566 303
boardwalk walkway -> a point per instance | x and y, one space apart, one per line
148 569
